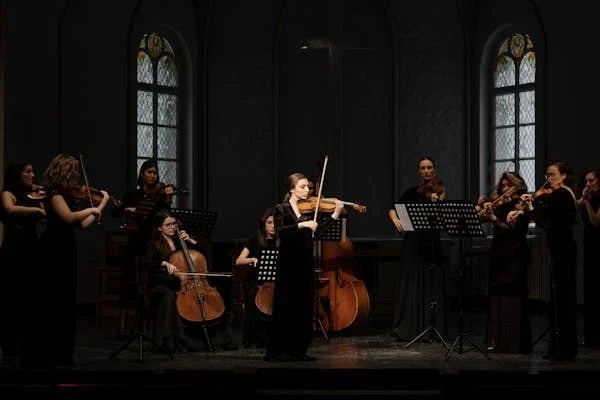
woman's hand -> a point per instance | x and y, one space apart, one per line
435 197
312 225
398 225
184 235
513 216
339 206
253 261
171 269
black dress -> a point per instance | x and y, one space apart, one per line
556 213
56 294
169 329
509 329
293 306
20 242
591 275
256 324
413 292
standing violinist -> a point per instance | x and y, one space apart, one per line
255 330
590 214
20 215
418 250
56 297
165 283
508 326
293 307
139 207
554 207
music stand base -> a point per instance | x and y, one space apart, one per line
420 335
458 340
140 337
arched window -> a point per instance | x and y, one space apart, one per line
157 106
514 109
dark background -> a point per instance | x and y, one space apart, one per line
256 108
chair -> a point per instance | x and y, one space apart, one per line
110 276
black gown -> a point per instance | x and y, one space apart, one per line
509 329
20 242
591 275
256 324
556 213
413 291
293 305
168 327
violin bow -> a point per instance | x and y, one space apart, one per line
85 178
320 188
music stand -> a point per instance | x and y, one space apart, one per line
198 223
461 221
267 264
140 333
424 217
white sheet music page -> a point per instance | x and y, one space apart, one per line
403 217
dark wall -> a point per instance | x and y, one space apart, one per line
256 108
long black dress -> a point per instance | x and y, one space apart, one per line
20 242
256 324
293 305
421 251
509 329
556 213
591 275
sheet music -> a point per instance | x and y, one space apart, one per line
403 217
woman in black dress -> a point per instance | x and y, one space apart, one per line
293 307
508 328
419 249
57 296
590 214
255 330
169 329
20 216
554 208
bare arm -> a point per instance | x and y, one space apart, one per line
243 258
395 220
9 202
83 218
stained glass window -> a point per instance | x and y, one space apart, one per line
157 106
514 109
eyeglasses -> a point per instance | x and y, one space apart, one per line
170 224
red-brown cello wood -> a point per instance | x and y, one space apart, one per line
197 301
349 302
264 299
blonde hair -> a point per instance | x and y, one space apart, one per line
62 174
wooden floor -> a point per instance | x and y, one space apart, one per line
370 365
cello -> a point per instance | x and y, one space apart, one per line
197 301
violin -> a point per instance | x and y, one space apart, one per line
161 189
434 185
499 199
94 196
37 193
325 205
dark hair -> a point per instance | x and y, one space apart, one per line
12 179
262 233
158 243
515 180
292 181
595 171
563 168
146 165
425 158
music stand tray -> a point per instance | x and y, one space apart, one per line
423 217
198 223
461 221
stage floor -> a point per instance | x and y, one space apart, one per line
365 366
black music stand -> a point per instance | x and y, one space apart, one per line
198 223
461 221
140 333
424 217
267 264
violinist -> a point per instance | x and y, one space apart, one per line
165 283
554 208
508 326
418 250
57 279
590 214
20 215
255 329
293 307
139 207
